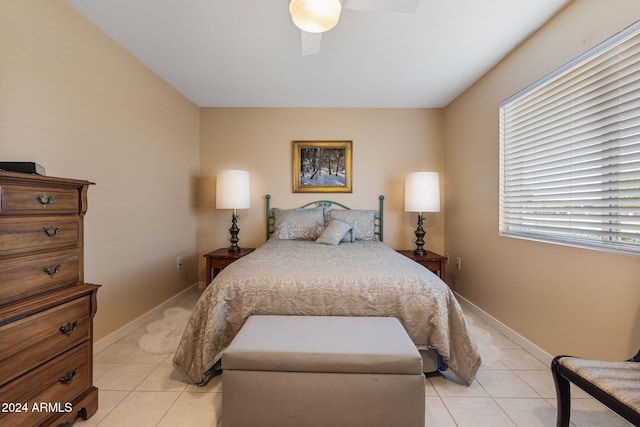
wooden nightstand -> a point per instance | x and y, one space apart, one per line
220 258
431 260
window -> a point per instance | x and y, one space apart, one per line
570 152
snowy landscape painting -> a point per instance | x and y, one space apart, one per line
322 166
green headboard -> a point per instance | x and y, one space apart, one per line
329 204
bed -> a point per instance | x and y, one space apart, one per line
326 259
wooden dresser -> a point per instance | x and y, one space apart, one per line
46 309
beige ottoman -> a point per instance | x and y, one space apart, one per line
322 371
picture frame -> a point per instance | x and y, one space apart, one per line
322 166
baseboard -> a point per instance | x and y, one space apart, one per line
125 330
527 345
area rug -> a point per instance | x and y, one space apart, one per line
489 352
163 336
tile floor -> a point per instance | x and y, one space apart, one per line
140 389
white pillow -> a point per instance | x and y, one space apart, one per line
334 232
297 224
364 222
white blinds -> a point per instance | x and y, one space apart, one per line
570 151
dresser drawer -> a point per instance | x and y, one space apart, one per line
53 384
32 234
38 200
27 342
30 275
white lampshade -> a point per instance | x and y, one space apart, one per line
315 16
232 190
422 192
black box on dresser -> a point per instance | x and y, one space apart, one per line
24 167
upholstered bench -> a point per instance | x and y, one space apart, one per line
615 384
322 371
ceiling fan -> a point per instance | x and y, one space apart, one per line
315 17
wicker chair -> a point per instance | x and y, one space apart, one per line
615 384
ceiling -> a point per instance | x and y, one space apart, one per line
247 53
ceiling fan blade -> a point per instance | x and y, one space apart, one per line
310 42
407 6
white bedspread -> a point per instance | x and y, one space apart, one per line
366 278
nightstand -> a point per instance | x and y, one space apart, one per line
220 258
431 260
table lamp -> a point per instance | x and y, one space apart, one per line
421 194
232 192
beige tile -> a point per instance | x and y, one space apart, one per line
477 321
169 359
578 393
492 362
214 386
476 412
107 400
189 299
499 383
140 356
437 414
501 341
539 380
163 378
446 387
134 336
491 355
140 409
429 391
582 395
529 412
591 413
194 409
520 359
116 353
124 376
99 369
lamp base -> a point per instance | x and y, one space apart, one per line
420 233
234 230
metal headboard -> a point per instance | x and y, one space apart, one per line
329 204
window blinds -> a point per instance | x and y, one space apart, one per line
570 151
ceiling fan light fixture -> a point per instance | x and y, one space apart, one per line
315 16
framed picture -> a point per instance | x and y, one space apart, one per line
322 166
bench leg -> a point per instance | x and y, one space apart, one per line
563 394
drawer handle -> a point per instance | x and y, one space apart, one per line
51 232
69 328
52 270
45 200
69 377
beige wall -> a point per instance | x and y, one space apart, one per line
565 300
75 102
387 144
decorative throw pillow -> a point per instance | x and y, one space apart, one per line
334 232
364 222
297 224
